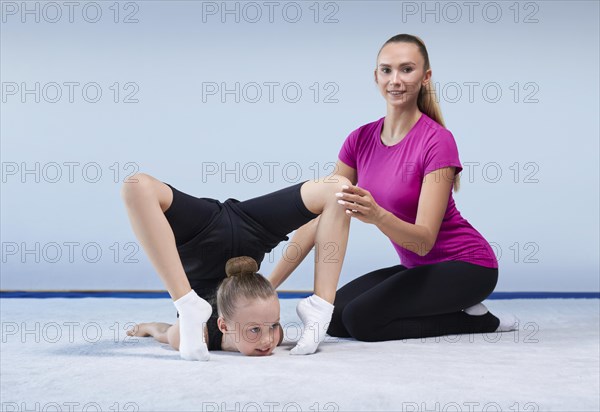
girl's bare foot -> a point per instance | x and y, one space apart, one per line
156 329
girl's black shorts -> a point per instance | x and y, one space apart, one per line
209 232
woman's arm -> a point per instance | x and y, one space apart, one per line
304 238
419 237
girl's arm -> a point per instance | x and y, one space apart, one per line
304 238
303 241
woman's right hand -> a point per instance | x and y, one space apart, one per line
359 203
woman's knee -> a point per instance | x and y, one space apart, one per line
336 330
336 326
358 322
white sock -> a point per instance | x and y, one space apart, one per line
315 313
508 322
193 314
476 310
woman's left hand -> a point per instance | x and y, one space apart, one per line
359 203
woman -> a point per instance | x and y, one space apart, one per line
407 164
189 241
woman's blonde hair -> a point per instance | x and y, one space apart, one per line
427 100
242 282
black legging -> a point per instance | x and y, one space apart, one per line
399 303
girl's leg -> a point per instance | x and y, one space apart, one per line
331 236
331 239
162 332
423 301
313 206
292 208
147 199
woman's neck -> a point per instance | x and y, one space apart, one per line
397 124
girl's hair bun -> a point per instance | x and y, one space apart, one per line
242 265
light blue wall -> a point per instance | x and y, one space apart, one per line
540 214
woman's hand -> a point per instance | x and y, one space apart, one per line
359 203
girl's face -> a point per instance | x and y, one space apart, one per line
254 329
399 74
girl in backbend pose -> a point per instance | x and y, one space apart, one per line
190 241
407 164
247 311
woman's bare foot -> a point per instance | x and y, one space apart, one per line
156 329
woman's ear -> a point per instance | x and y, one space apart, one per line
427 77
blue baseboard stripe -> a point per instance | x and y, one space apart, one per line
282 295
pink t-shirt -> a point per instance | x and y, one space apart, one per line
394 176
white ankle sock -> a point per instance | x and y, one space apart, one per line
193 314
315 313
508 322
476 310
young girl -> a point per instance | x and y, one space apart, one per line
407 164
247 316
189 240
